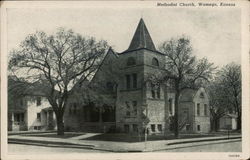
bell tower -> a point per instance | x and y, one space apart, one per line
140 103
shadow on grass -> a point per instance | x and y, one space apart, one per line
122 137
54 135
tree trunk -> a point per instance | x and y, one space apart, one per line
212 124
60 124
176 123
239 122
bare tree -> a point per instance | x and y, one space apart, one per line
184 69
230 82
218 103
60 62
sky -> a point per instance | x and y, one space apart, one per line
214 34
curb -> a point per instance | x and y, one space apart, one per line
204 140
50 144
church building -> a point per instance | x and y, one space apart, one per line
137 103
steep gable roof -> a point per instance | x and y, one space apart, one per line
141 38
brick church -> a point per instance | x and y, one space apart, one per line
126 101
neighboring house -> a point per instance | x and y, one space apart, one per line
29 110
228 122
194 111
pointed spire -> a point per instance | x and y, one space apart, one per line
141 38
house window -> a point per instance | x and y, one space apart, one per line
38 116
198 127
198 109
159 127
38 101
18 117
187 127
131 61
134 80
170 106
126 128
135 128
153 127
128 81
135 108
155 62
205 109
37 127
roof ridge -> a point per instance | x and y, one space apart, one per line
141 38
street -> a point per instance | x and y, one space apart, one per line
214 147
32 149
198 147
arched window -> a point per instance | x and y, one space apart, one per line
201 95
131 61
155 62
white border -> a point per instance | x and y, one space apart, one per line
244 5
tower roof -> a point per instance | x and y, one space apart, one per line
141 38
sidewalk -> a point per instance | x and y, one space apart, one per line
76 142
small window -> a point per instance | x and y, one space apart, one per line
198 109
135 128
155 91
170 106
152 127
198 127
38 116
128 81
135 107
131 61
205 109
16 117
202 95
37 127
38 101
134 80
158 91
187 127
155 62
159 127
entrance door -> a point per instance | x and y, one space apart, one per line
126 128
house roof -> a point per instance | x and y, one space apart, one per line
141 38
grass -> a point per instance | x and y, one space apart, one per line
54 135
121 137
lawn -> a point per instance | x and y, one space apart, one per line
121 137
